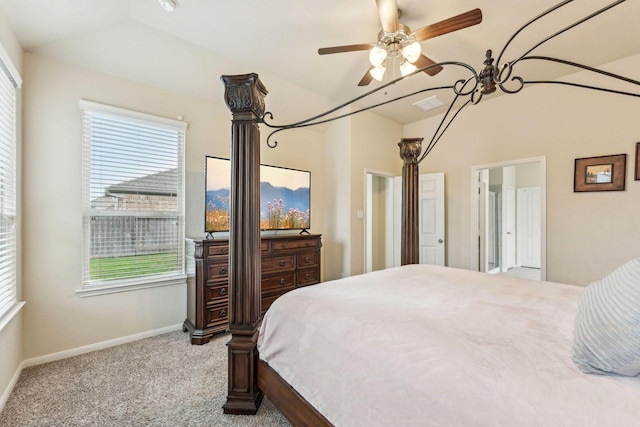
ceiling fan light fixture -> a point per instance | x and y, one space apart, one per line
377 72
377 55
407 68
411 52
168 5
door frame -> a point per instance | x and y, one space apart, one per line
389 217
474 216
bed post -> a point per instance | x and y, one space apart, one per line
244 95
410 249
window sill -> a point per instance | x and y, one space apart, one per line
125 286
4 320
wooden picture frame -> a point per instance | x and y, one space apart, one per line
603 173
637 161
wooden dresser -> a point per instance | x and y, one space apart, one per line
288 262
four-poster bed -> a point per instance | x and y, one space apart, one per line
516 333
412 344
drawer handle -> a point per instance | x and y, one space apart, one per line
225 250
223 291
282 263
283 282
223 270
223 312
284 245
307 259
307 276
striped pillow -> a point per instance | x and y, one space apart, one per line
607 329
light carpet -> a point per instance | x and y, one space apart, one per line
157 381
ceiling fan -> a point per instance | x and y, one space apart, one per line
397 44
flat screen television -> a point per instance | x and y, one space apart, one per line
285 196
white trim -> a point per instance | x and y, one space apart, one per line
7 64
4 320
98 346
128 285
78 351
7 392
134 115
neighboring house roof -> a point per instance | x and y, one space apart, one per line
154 184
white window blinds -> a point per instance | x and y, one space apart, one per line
8 192
133 184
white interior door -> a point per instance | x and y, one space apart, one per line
509 236
529 231
431 213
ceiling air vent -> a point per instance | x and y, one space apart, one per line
429 103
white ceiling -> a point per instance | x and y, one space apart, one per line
188 50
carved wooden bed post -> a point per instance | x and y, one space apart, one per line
244 95
409 152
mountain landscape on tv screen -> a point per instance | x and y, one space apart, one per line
277 206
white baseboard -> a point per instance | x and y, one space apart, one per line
10 386
80 350
98 346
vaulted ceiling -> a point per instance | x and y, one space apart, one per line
189 49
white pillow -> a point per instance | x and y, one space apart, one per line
607 330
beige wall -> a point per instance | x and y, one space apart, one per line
55 318
336 208
11 335
365 141
588 234
374 146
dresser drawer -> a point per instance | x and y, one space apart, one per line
217 270
309 259
216 250
278 263
287 245
308 276
282 282
217 315
215 294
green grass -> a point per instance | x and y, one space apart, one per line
132 266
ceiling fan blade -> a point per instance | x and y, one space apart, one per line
388 11
423 61
340 49
454 23
366 79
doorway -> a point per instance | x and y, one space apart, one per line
379 224
383 218
508 228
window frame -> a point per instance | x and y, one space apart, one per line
101 287
11 291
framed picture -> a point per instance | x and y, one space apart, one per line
638 161
604 173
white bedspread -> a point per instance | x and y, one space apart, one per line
434 346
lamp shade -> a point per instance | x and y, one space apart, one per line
377 72
377 55
412 51
407 68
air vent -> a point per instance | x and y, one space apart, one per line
429 103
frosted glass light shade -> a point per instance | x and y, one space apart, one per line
407 68
377 55
412 51
377 72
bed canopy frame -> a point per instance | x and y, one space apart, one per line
244 96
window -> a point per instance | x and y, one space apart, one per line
9 82
133 199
